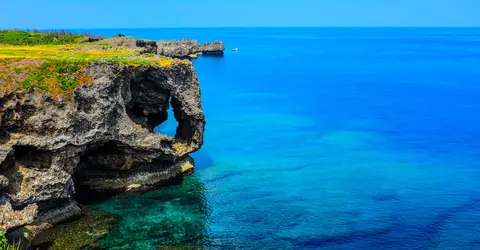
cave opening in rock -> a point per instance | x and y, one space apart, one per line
112 167
97 160
169 126
32 157
149 103
109 167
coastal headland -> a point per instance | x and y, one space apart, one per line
77 115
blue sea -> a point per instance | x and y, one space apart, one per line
323 138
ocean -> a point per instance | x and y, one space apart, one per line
322 138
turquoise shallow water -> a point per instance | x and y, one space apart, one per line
324 138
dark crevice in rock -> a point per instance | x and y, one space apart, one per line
52 204
7 164
32 157
108 155
149 104
4 136
14 117
148 46
7 169
110 168
85 104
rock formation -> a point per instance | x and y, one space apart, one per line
184 48
101 140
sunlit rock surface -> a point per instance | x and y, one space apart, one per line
101 140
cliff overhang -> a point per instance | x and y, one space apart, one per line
84 124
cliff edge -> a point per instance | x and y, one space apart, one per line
78 119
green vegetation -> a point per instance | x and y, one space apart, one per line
17 37
70 47
149 55
82 52
54 62
4 243
57 76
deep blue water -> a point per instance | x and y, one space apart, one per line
324 138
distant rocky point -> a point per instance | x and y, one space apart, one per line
183 49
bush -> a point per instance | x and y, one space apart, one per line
57 77
18 37
4 243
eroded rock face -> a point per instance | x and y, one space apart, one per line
183 48
101 140
214 48
186 48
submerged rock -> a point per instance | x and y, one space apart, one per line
77 234
172 217
100 139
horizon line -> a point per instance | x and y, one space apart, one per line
220 27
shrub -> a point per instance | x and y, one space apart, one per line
18 37
56 77
4 243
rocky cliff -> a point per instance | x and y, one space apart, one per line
88 128
184 48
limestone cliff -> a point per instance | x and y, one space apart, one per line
183 48
98 139
186 48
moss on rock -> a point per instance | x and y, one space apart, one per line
78 234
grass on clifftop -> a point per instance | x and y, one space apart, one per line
70 47
55 62
81 52
56 77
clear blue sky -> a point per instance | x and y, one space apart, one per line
50 14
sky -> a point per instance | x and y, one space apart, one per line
72 14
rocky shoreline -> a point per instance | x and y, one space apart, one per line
99 141
183 49
186 48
